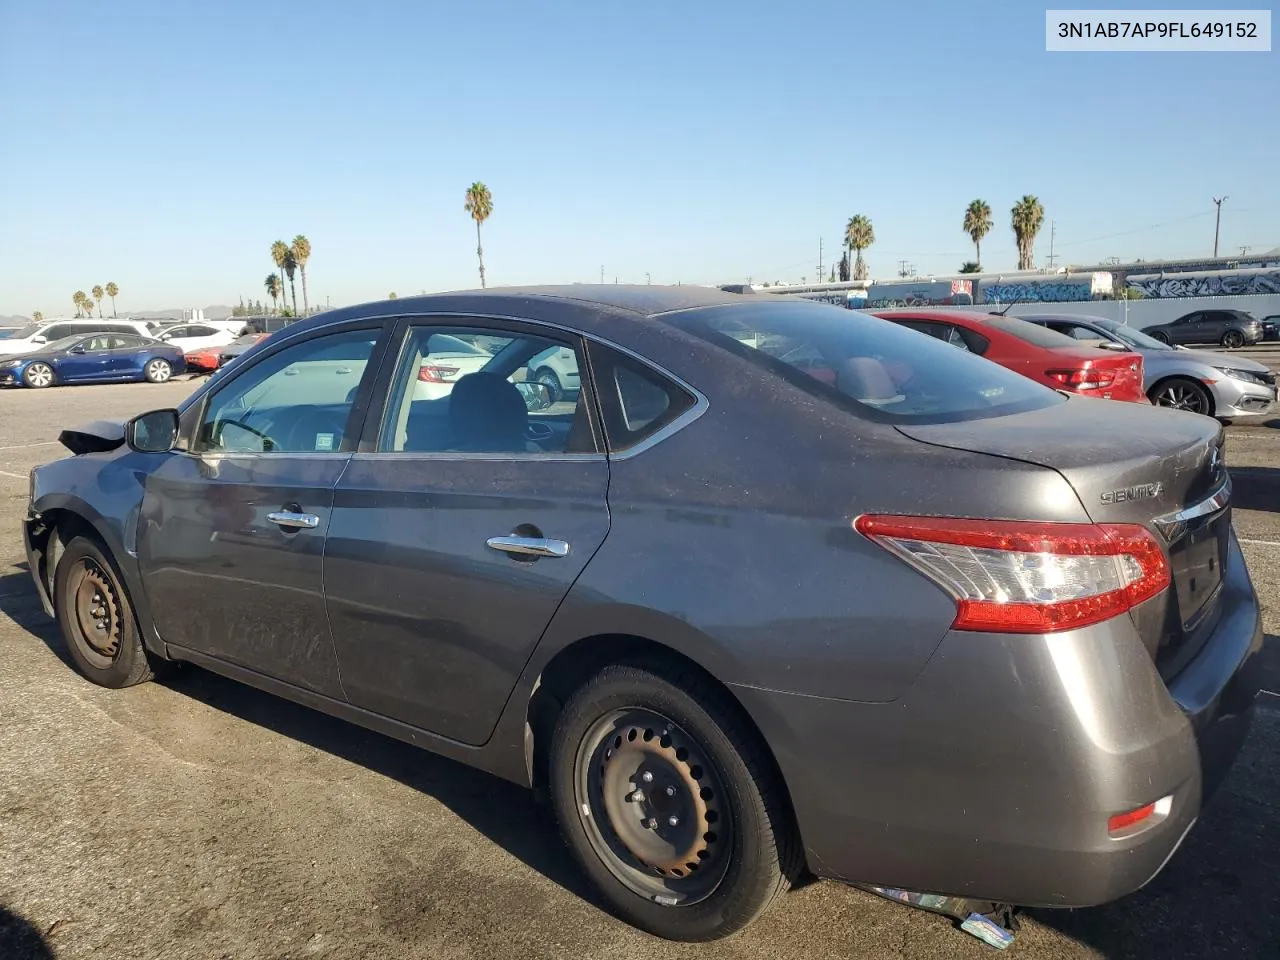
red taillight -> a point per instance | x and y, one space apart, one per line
1146 816
1085 378
1013 577
1122 821
435 373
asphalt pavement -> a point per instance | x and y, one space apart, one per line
196 818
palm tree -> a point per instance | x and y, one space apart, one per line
88 307
112 292
480 205
98 295
79 298
290 265
37 317
1027 217
279 254
301 250
391 295
273 288
858 235
977 224
971 266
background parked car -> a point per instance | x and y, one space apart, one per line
1271 327
1231 328
557 370
35 335
1214 384
1031 350
99 358
189 337
447 360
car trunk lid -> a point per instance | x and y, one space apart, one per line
1108 374
1130 464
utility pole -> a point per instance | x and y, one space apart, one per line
820 273
646 278
1053 230
602 273
1244 251
1217 223
902 268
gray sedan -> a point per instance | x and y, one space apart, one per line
782 586
1227 386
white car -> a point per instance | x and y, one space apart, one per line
448 358
557 370
35 335
195 336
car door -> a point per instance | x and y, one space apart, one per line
123 358
88 360
232 527
458 528
1188 329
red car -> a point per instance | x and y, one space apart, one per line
1045 356
209 359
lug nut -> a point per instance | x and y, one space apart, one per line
673 821
651 824
647 777
671 791
637 796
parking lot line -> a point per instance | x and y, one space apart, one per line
1261 543
35 443
16 476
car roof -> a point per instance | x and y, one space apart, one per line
1069 317
907 313
639 301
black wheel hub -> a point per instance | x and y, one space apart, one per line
97 612
656 807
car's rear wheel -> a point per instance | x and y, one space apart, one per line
547 377
1161 336
96 617
158 371
38 375
1182 393
1233 339
670 803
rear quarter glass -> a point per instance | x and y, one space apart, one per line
870 367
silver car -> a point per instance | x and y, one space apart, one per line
1215 384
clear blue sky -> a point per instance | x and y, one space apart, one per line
165 145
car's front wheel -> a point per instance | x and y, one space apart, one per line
1182 393
96 617
38 375
158 371
1233 339
1161 336
670 803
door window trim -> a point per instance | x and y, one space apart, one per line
192 415
370 436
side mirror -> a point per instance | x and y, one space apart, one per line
39 338
78 348
536 395
166 337
1112 345
154 432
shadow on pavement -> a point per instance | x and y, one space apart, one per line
20 940
1255 488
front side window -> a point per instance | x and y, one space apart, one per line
872 367
469 389
296 401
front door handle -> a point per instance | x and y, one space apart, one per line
530 546
289 520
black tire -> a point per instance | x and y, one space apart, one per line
1233 339
1161 336
1182 393
547 377
39 375
87 590
744 868
158 370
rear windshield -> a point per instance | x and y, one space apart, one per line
875 368
1030 332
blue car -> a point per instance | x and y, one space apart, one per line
97 358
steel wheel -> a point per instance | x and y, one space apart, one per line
1233 339
158 371
549 380
38 375
1161 336
1182 395
97 613
657 818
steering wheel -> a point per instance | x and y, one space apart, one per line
267 442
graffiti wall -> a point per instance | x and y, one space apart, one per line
1032 291
1216 284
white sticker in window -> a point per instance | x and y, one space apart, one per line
324 441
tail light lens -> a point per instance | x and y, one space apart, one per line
1014 577
436 373
1084 378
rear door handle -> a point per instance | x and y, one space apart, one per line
530 546
294 521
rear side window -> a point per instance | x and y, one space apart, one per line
636 400
1029 332
872 367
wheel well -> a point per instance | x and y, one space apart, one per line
1189 379
579 662
64 526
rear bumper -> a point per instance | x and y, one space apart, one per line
994 776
